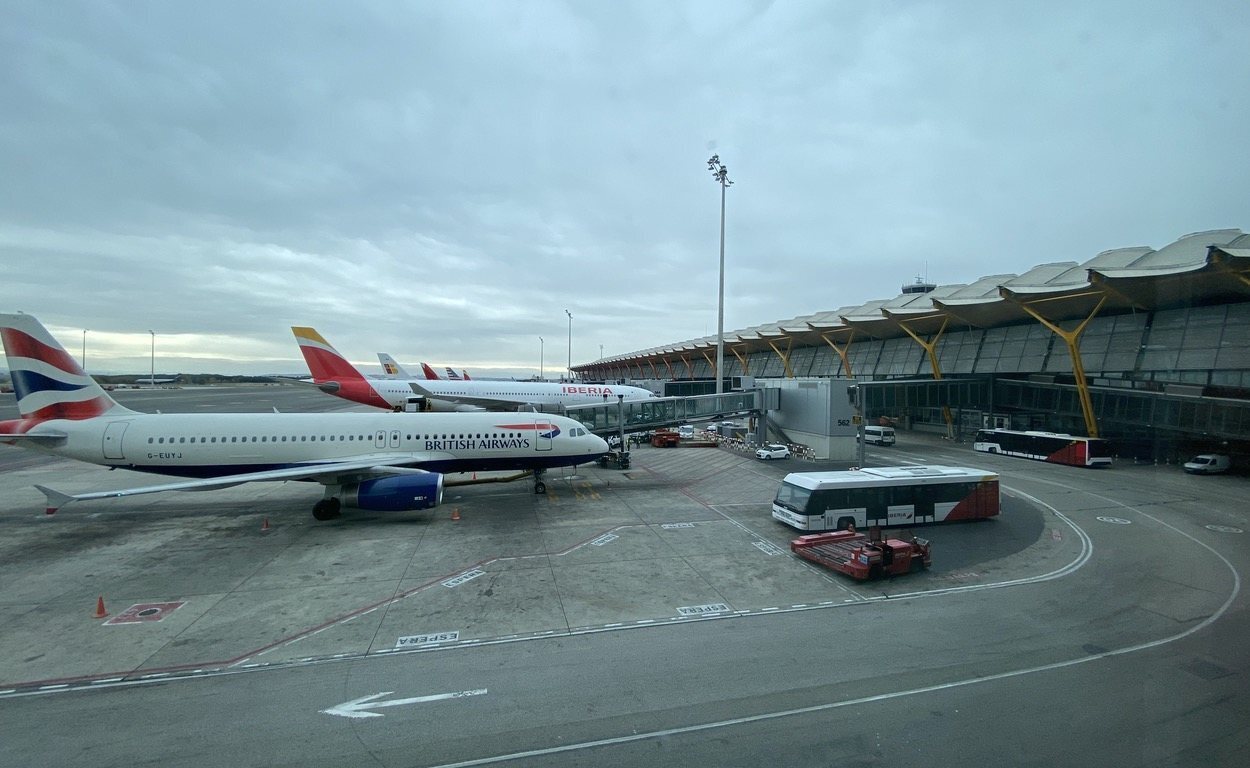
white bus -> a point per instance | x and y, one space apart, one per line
1045 446
885 496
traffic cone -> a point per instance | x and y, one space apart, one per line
474 475
99 609
455 513
264 528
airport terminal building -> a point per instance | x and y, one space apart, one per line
1148 348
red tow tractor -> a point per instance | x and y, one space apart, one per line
862 557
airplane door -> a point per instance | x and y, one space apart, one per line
379 439
113 439
544 432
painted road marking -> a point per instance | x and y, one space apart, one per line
702 610
1116 520
409 641
1224 529
606 538
671 526
768 548
359 708
141 612
467 576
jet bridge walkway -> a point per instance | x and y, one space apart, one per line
643 415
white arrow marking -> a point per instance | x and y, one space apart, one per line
360 707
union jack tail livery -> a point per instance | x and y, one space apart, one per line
48 382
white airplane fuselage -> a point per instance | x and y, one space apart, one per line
446 393
213 445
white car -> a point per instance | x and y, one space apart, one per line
772 451
1207 464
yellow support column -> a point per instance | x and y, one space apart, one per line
842 352
930 348
689 366
743 361
1073 341
785 356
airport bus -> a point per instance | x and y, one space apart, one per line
885 496
1046 446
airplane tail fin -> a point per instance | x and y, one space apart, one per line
465 374
452 374
391 367
324 361
48 382
429 372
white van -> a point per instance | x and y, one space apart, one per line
879 435
1207 464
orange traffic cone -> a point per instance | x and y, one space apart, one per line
99 609
264 526
455 513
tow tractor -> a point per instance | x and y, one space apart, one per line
862 557
618 458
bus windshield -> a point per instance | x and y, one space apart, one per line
793 498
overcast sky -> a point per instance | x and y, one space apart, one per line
442 180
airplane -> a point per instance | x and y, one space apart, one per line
374 461
429 372
455 376
333 374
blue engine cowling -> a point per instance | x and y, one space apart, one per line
397 493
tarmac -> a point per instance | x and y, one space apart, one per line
211 582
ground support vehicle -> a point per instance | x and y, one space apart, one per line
863 558
1056 448
665 438
885 496
1207 464
618 459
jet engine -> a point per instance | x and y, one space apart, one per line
396 493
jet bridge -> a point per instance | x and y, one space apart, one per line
644 415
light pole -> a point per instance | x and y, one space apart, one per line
570 368
540 358
84 350
721 174
152 380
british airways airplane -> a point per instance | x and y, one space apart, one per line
333 374
373 461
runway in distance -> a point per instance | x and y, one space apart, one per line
373 461
335 375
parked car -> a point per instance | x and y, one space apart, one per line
1207 464
772 451
686 431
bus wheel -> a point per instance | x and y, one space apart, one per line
845 523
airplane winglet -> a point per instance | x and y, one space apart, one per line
55 498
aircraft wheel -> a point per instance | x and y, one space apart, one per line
540 487
326 509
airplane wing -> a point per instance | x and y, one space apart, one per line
486 403
330 473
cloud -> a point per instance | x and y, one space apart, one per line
440 181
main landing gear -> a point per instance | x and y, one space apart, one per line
539 485
326 509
